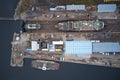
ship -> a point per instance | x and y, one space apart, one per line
45 65
81 25
32 26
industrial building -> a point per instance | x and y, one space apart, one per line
106 47
78 48
111 0
56 46
75 7
107 7
34 45
87 47
69 8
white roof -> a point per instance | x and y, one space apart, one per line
60 7
57 42
34 45
52 9
75 7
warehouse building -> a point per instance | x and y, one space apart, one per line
75 7
78 47
34 45
107 7
82 48
106 47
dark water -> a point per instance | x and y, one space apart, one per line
68 71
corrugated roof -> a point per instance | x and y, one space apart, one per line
107 7
106 47
75 7
78 47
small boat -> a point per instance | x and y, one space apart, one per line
32 26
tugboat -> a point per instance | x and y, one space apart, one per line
82 25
